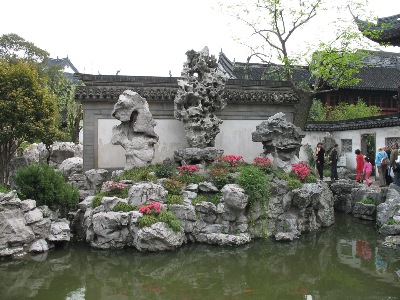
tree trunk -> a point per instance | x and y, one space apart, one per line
302 108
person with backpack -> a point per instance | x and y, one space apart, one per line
381 162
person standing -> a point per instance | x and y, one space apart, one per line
393 157
367 170
359 165
333 157
388 177
319 154
381 165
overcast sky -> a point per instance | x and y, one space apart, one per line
137 37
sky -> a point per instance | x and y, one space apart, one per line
138 37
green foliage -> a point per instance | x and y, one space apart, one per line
214 198
169 218
123 206
97 200
174 187
4 189
311 179
165 171
255 184
220 174
391 221
191 178
14 48
318 111
47 186
147 221
138 174
174 199
165 216
343 111
335 66
294 183
28 111
367 201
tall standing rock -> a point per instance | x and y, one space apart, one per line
136 131
198 98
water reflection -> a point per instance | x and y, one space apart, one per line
343 261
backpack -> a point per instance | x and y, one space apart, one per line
383 161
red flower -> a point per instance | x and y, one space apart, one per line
188 169
301 170
233 160
152 207
262 162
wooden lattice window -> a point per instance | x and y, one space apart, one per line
347 145
391 140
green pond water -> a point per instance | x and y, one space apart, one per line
345 261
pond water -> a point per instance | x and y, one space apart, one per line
344 261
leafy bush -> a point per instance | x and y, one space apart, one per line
294 183
97 200
174 187
255 184
42 183
122 206
138 174
263 163
367 201
220 176
391 221
168 217
174 199
3 189
164 171
213 198
191 178
147 220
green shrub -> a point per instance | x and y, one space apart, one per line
174 199
42 183
255 184
138 174
169 218
220 176
391 221
294 183
147 221
211 197
310 179
97 200
174 187
199 198
165 171
367 201
166 216
191 178
122 206
3 189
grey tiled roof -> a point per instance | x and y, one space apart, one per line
372 77
387 29
362 123
378 78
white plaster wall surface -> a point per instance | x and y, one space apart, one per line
234 138
381 134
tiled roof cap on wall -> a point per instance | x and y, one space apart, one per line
354 124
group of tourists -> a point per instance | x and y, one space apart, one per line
386 162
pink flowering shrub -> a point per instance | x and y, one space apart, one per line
114 185
188 169
152 208
233 160
301 170
262 162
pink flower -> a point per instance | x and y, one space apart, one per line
114 185
233 160
301 170
262 162
152 207
188 169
